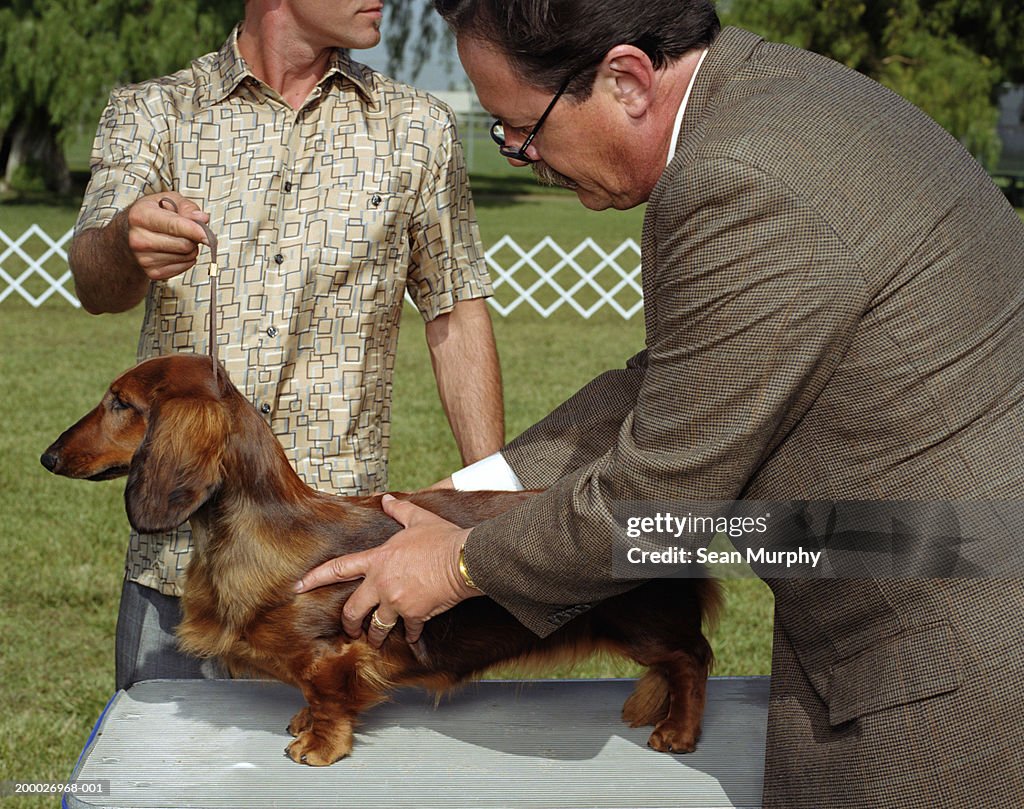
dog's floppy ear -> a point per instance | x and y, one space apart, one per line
177 466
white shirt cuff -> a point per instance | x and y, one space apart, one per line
489 474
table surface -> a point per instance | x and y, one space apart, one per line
543 743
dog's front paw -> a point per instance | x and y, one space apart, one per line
303 720
673 737
321 744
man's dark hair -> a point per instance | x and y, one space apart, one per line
548 40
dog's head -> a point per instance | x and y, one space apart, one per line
163 423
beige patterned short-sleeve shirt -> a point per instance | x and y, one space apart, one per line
325 217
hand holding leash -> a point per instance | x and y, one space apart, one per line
165 240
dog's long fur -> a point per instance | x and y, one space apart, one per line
200 452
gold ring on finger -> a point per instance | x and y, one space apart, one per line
377 623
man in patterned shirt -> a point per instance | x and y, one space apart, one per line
333 190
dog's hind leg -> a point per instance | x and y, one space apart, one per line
685 680
659 626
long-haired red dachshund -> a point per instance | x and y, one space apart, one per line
195 449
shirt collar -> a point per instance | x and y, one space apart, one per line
342 65
229 69
682 109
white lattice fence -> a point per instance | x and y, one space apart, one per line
35 266
545 277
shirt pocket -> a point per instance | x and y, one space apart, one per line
363 249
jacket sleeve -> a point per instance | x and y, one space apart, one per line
755 301
578 431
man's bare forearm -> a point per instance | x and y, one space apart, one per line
107 275
465 362
155 238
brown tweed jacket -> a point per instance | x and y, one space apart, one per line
834 310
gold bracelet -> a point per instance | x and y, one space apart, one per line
464 571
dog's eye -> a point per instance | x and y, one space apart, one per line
119 404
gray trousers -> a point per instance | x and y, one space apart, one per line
145 646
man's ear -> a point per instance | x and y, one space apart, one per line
628 72
177 466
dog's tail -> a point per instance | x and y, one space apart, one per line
711 598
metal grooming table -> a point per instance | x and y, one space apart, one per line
208 744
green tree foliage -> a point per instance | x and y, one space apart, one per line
60 58
949 57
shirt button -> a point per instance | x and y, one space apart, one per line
279 259
272 331
264 408
287 187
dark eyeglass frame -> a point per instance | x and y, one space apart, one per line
498 129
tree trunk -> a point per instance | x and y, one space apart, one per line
30 151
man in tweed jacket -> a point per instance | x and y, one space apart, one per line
834 310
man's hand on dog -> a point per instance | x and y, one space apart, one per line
413 576
163 241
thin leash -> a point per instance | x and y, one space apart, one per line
169 205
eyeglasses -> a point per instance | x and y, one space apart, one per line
498 130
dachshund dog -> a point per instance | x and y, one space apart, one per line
195 449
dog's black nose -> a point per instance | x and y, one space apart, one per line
49 460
